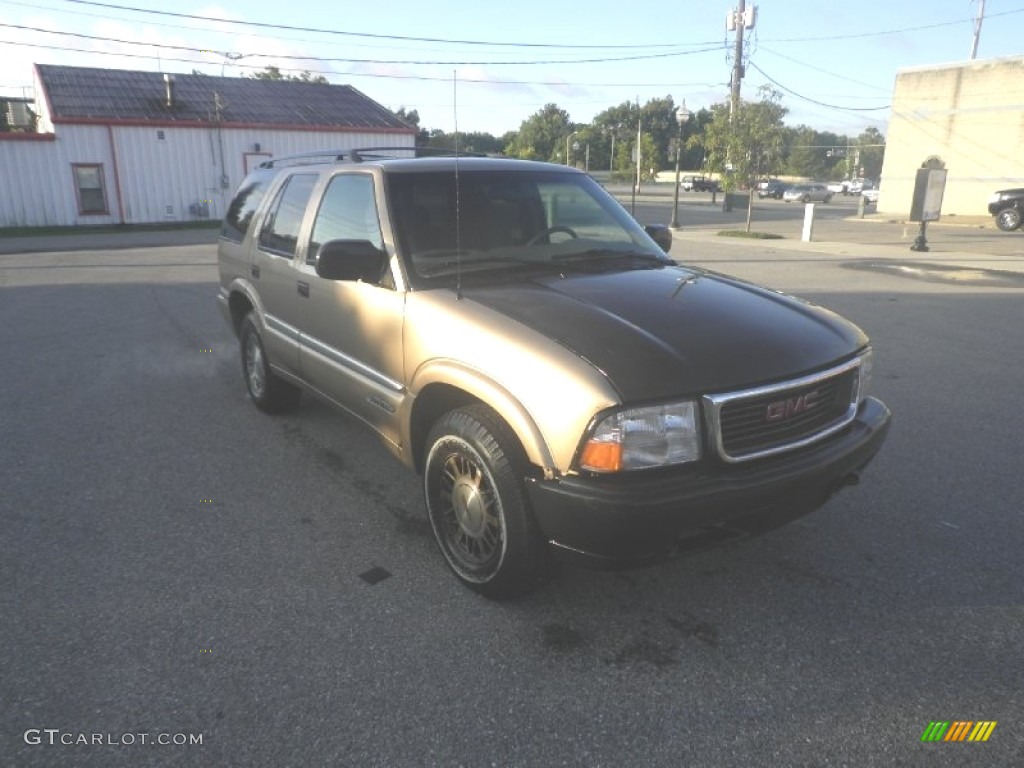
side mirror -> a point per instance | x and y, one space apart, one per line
661 234
351 260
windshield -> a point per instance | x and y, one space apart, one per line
511 220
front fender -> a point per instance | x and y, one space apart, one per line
455 374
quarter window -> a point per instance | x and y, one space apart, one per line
89 189
348 212
243 208
280 233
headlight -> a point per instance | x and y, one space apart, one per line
996 197
639 438
867 365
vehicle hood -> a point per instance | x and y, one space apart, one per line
671 331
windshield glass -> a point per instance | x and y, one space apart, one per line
511 220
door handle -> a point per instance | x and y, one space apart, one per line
303 289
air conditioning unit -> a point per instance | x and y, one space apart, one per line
18 114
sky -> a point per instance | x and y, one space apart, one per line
487 66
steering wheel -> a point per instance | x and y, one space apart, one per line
550 231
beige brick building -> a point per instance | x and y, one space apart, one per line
971 114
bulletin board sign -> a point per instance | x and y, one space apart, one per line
929 186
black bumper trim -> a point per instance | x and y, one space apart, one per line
641 518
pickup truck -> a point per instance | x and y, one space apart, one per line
698 184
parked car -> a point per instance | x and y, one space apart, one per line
773 189
838 187
870 195
513 335
1007 205
698 184
807 193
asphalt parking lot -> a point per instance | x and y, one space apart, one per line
176 563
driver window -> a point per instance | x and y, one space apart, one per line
348 211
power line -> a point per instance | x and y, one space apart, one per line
484 81
818 38
266 25
347 60
817 68
815 101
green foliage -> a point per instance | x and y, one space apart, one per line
475 141
542 135
871 156
808 154
274 73
747 145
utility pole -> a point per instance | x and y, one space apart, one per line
737 56
736 19
977 29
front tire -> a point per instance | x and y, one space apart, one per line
1008 219
482 522
269 393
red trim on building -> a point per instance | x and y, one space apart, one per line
235 126
117 175
27 136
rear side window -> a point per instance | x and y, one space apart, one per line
280 233
243 208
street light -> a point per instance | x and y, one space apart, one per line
567 139
575 149
682 115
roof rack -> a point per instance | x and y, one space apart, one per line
368 153
361 154
304 158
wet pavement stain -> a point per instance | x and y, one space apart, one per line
942 273
646 651
688 626
558 637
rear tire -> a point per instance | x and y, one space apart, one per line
477 505
269 393
1008 219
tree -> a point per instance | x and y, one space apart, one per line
542 135
476 141
872 151
747 145
412 118
274 73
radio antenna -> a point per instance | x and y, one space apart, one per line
458 218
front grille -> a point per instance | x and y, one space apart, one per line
774 419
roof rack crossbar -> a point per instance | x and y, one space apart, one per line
304 158
357 155
361 154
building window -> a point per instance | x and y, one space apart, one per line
89 187
160 136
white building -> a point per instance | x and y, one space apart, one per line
124 147
971 115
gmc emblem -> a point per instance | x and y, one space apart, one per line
784 409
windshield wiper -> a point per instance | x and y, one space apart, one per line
604 254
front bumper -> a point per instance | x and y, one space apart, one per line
1000 205
640 518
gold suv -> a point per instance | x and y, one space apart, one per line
561 384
